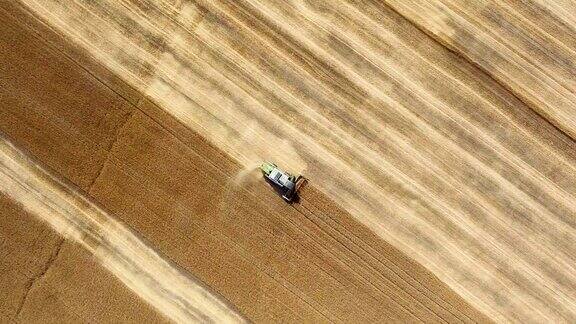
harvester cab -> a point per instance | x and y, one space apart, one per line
286 184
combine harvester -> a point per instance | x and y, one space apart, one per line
286 184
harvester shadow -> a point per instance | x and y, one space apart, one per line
280 192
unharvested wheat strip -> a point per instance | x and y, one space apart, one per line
171 291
